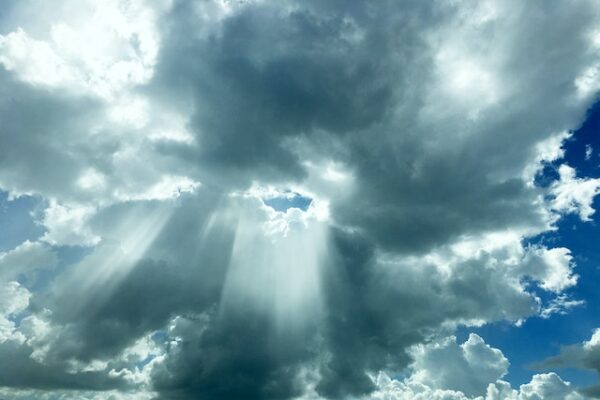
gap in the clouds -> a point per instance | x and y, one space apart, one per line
141 364
586 137
540 338
16 220
547 175
288 200
582 151
160 336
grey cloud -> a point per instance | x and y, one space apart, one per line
373 314
265 89
234 357
455 174
377 312
585 355
360 84
26 259
266 75
53 137
19 370
181 273
30 162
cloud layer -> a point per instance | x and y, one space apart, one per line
154 136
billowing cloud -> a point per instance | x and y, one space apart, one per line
469 371
468 368
297 199
574 195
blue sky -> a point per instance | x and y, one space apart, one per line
17 221
287 201
540 338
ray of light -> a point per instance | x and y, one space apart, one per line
94 278
276 275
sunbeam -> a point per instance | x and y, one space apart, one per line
276 273
93 279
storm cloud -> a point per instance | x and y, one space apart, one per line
154 136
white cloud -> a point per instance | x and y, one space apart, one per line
546 151
561 305
574 195
467 368
25 258
551 267
168 187
98 49
589 150
35 60
67 225
13 299
441 370
548 387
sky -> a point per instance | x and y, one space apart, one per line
299 199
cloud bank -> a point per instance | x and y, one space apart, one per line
155 136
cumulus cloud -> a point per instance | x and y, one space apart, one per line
467 368
469 371
574 195
156 134
25 259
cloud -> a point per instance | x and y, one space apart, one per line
574 195
19 368
468 368
585 355
551 267
13 299
25 259
469 371
560 305
548 386
124 51
153 133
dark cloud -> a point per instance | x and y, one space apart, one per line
232 356
266 75
19 370
434 114
359 84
